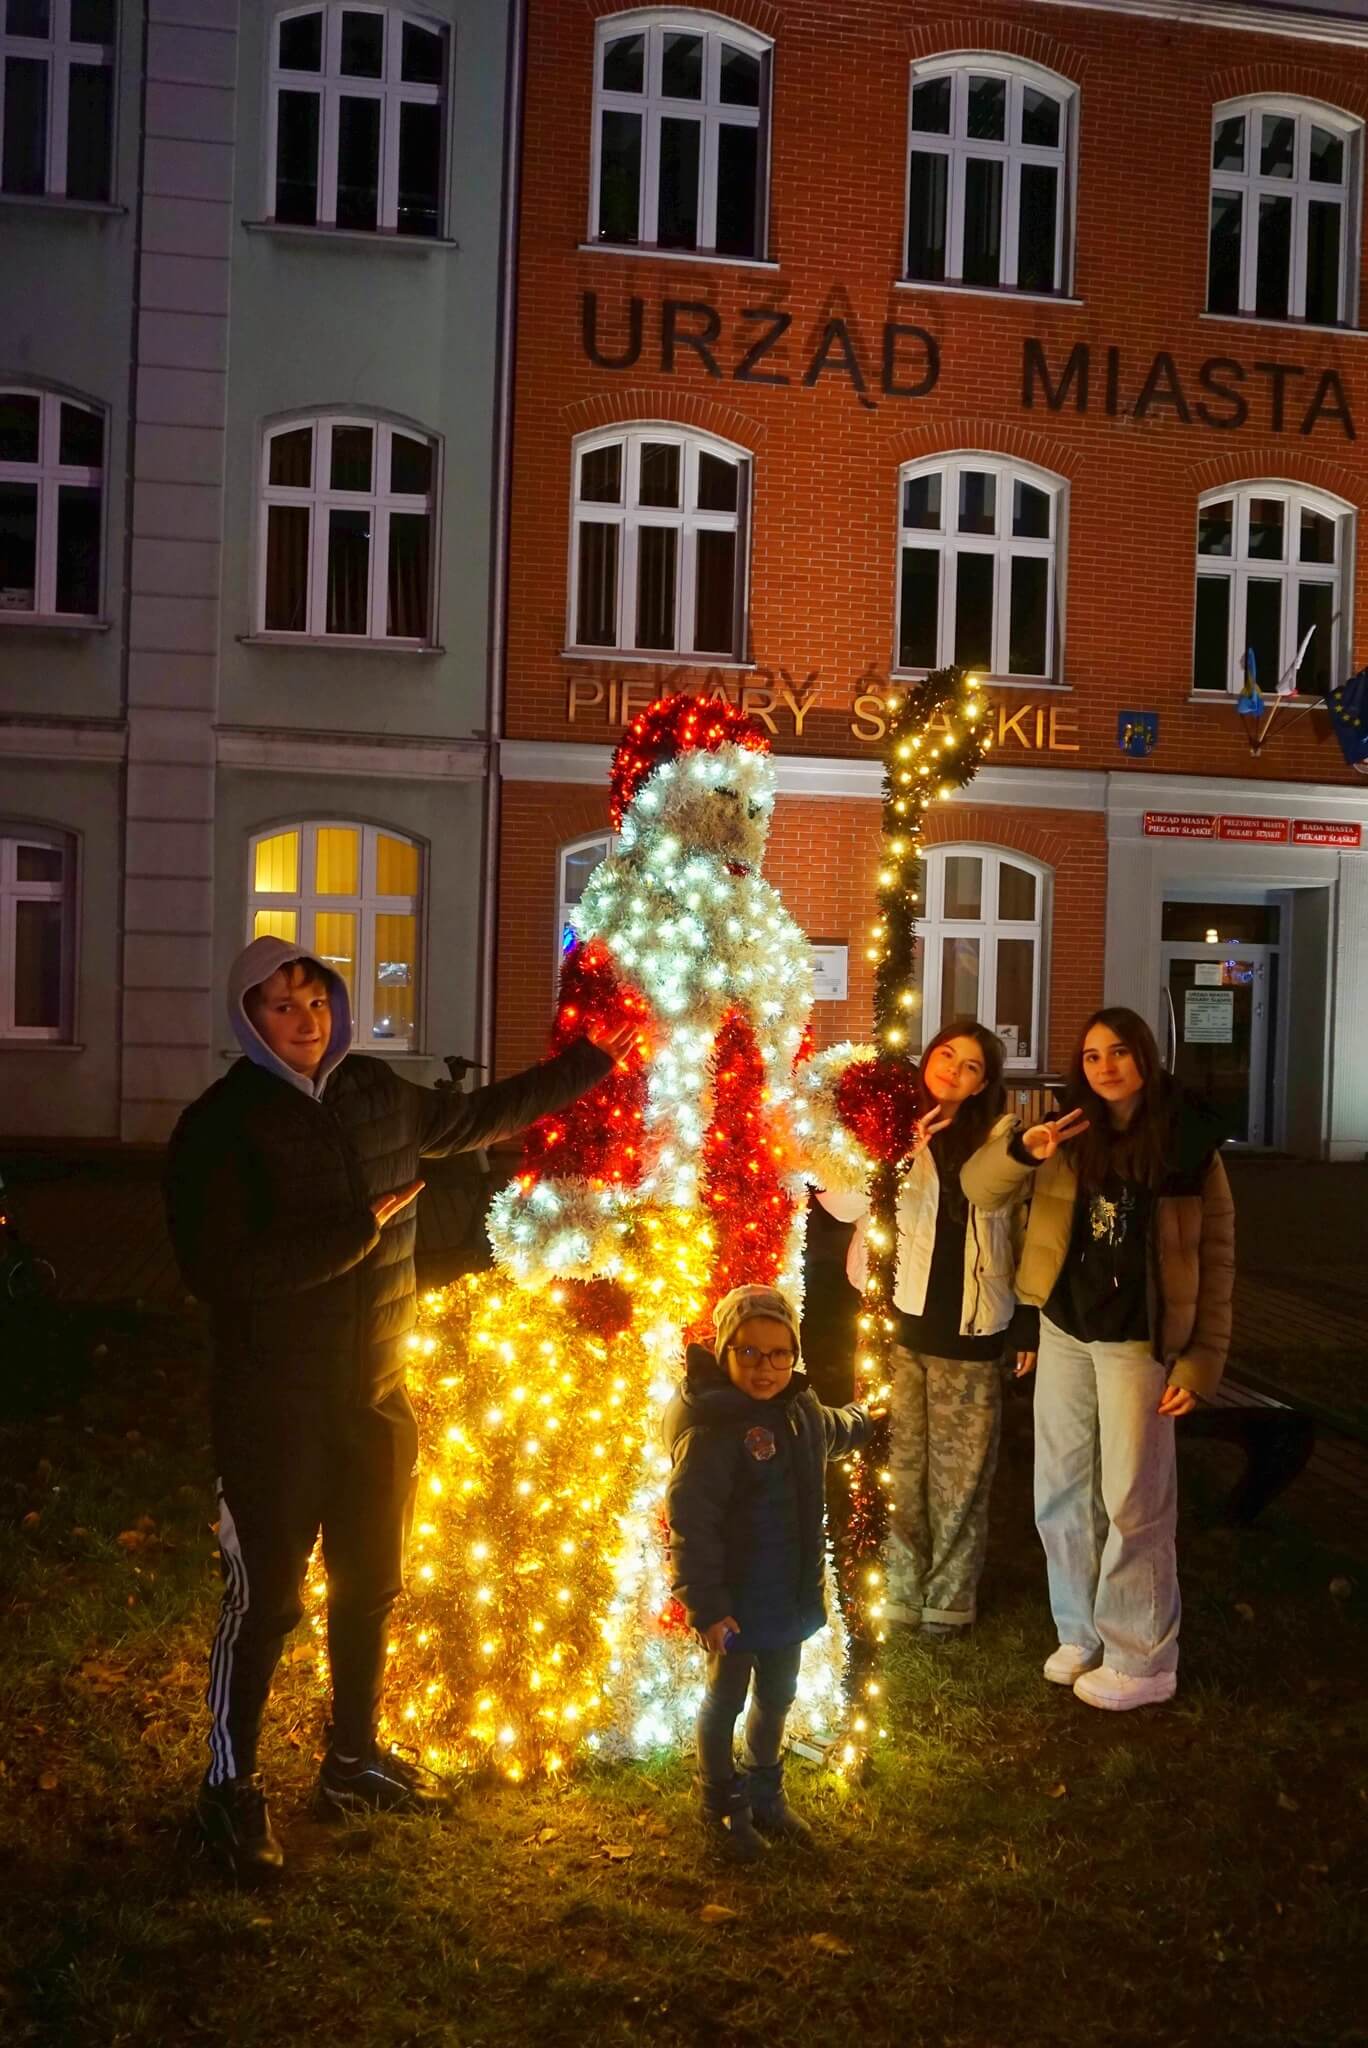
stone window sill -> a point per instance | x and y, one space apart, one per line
374 238
335 643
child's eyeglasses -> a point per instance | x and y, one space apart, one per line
749 1356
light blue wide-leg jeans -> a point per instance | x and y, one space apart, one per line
1106 1500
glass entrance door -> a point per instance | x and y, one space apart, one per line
1217 1011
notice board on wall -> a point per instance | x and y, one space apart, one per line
1209 1016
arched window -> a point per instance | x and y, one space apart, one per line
1284 204
574 865
980 949
348 531
681 117
350 895
36 938
659 547
1272 577
57 98
51 493
988 175
978 566
358 99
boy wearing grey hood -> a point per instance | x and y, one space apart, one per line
291 1186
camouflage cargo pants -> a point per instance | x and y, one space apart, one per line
946 1416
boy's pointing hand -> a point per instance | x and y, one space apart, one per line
387 1208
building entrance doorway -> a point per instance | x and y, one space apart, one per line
1220 991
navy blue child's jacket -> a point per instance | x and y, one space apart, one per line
746 1501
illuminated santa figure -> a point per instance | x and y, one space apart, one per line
539 1618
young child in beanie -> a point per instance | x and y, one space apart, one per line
749 1442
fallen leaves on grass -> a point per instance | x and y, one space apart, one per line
31 1519
715 1915
1341 1588
618 1852
101 1677
539 1837
131 1539
1288 1804
1059 1791
830 1945
48 1781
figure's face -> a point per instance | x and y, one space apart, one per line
760 1357
714 803
955 1071
293 1012
1111 1068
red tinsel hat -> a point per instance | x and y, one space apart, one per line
673 726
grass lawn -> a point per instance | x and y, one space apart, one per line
1019 1869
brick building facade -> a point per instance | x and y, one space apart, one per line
1032 336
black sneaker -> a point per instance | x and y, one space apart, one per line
380 1782
234 1821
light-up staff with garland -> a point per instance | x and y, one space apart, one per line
859 1130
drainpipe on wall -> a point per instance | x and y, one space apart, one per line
501 481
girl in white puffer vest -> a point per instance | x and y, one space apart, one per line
954 1298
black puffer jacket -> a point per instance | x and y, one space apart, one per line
269 1193
747 1500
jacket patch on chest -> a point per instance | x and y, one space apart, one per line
760 1443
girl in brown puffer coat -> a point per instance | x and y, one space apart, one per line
1130 1257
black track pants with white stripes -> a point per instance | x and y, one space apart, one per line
283 1477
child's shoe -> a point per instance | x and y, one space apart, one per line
727 1810
770 1810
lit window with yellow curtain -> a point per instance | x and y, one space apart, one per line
348 895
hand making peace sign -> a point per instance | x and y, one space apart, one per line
925 1129
1042 1141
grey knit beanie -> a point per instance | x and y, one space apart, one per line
734 1308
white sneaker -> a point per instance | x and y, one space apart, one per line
1118 1690
1069 1662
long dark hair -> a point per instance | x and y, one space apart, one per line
973 1119
1140 1151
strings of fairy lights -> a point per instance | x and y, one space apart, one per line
935 747
539 1621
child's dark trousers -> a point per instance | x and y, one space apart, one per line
729 1676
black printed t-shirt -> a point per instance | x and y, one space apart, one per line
1102 1296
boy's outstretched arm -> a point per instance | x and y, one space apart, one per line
847 1429
222 1255
461 1123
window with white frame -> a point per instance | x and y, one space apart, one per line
1272 583
1284 207
681 113
35 933
980 949
57 98
988 185
348 530
574 865
51 492
978 566
350 896
358 102
658 561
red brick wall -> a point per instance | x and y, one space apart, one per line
824 526
821 858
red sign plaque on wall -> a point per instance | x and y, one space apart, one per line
1269 831
1180 825
1325 832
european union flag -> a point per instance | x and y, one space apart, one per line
1347 704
